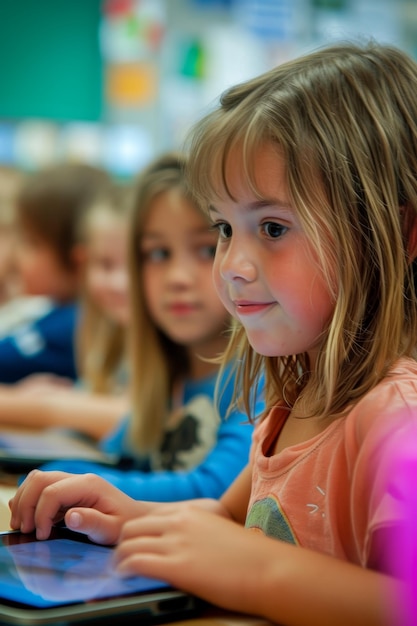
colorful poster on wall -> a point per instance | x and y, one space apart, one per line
131 84
131 36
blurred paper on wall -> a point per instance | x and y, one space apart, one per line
131 84
36 144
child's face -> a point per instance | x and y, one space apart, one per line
40 270
106 272
178 249
265 268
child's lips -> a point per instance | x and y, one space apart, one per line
249 307
182 308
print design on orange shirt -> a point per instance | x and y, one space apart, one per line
266 515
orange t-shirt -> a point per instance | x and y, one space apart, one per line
332 492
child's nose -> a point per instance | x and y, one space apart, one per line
181 269
237 263
120 280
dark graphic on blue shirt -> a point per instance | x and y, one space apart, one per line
190 435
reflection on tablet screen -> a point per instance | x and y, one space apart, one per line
61 571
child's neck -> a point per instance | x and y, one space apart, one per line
198 356
297 430
201 369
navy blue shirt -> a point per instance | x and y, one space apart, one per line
44 346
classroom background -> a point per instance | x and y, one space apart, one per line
115 82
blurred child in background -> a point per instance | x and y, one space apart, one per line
95 404
177 444
101 337
15 308
49 207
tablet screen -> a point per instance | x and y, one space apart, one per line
63 570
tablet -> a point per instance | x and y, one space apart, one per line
67 579
21 451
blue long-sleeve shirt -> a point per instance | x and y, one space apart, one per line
45 345
201 455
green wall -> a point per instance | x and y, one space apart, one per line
50 63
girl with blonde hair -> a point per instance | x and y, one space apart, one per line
309 174
176 443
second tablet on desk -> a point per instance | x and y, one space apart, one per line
21 451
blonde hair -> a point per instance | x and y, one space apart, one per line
344 118
157 362
101 341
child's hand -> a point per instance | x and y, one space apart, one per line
195 550
87 503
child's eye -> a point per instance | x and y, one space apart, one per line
156 255
274 230
224 229
207 252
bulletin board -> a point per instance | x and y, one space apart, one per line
50 60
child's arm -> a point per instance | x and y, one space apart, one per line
196 546
235 500
93 414
209 478
242 570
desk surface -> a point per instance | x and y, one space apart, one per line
7 491
218 617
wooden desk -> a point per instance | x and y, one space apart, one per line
218 617
7 491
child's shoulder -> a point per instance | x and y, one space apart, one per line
390 405
397 388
